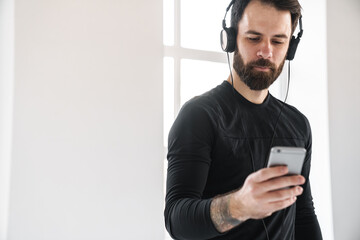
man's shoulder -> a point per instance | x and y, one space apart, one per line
296 113
209 101
198 117
292 116
288 109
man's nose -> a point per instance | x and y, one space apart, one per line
265 50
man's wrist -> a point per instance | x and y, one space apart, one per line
220 212
236 209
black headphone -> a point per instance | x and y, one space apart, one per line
228 37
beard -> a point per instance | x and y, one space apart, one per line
256 80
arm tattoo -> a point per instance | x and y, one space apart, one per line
220 214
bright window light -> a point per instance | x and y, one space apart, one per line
197 79
201 23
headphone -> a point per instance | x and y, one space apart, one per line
228 37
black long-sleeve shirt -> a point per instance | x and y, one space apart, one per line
209 153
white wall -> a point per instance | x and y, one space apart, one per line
344 114
87 148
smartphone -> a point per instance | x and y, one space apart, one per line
292 157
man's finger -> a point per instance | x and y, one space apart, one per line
276 206
268 173
281 195
283 182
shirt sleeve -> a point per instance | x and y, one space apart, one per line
187 215
306 224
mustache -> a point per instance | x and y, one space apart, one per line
262 63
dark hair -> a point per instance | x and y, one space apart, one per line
290 5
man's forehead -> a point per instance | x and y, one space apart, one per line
265 19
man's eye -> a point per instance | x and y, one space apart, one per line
253 39
278 42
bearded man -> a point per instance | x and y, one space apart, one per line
218 186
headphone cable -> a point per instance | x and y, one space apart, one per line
282 107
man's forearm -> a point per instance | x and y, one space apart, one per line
221 215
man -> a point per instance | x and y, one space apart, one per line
217 186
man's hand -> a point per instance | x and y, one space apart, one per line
263 193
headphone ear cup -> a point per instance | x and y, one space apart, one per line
228 39
294 42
